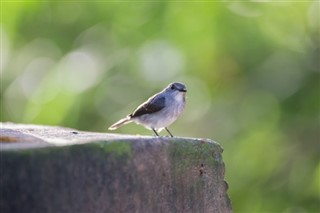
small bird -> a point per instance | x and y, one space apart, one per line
159 111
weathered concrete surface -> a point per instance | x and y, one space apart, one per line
52 169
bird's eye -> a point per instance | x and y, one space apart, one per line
172 87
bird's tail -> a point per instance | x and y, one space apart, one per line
121 122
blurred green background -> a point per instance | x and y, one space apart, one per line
251 69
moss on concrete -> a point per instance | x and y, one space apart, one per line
116 148
187 152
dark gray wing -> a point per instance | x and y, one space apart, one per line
154 104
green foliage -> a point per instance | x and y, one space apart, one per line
251 68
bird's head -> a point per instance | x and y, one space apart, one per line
178 90
176 87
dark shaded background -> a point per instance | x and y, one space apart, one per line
252 72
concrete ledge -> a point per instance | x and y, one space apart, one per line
54 169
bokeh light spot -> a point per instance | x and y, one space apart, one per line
160 61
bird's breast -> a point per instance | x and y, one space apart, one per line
180 97
166 116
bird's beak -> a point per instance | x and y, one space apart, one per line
183 90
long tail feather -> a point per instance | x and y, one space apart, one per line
120 123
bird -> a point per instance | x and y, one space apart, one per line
159 111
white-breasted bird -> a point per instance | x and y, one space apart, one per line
159 111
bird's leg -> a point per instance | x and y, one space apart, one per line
155 132
169 132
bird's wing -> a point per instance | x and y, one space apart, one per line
154 104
